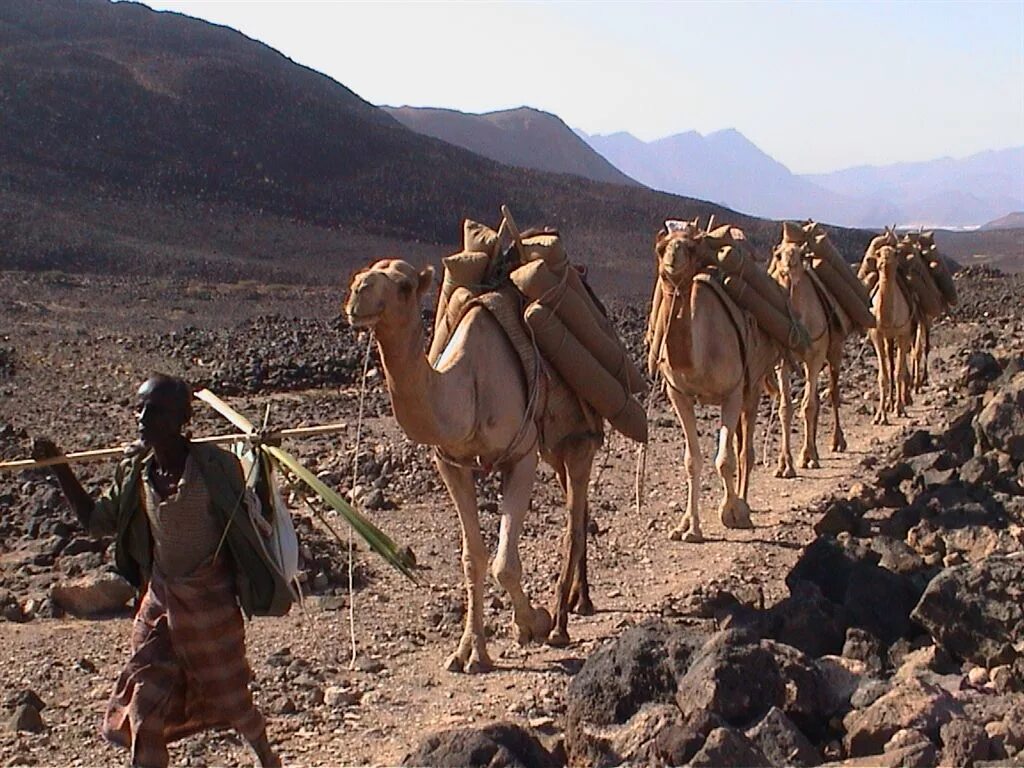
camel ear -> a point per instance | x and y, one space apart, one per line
424 281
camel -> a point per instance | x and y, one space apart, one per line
827 328
715 354
473 407
893 336
923 246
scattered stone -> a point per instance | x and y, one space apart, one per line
677 744
781 742
912 704
740 680
499 745
1001 422
975 611
93 595
963 744
728 748
26 718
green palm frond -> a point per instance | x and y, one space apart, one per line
375 539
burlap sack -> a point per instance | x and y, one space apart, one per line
838 277
588 377
919 279
448 321
479 237
466 270
856 304
548 248
539 282
943 279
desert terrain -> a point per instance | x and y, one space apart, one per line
74 347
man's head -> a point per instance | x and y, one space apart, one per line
164 406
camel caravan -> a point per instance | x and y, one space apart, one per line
524 365
911 287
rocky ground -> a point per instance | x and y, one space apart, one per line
873 614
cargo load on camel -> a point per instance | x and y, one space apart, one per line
833 275
922 270
531 272
729 263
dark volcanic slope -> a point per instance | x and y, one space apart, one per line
523 137
134 138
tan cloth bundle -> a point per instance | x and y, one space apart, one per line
838 277
584 374
462 271
943 279
753 290
539 282
919 279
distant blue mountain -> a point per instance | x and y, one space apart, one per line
727 168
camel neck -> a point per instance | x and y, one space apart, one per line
888 289
412 382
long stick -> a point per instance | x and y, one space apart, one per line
111 453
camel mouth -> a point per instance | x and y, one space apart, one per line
362 320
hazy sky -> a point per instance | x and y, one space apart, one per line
818 85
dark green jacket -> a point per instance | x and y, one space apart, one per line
261 590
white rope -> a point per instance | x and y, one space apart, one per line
355 477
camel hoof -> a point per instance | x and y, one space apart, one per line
454 663
839 446
558 638
542 623
786 472
477 664
737 515
810 464
582 605
693 537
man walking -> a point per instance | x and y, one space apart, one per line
184 539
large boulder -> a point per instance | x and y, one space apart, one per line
781 742
1000 424
93 595
975 611
499 745
847 573
641 666
728 748
913 704
740 680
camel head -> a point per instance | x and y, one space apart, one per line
387 292
788 261
888 259
682 252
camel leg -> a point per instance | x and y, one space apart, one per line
579 596
835 365
902 375
471 654
916 352
786 466
881 417
926 348
809 458
579 461
746 444
688 529
733 510
517 484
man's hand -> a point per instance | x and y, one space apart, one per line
44 448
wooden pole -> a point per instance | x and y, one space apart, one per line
77 457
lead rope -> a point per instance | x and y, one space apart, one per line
641 454
355 477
